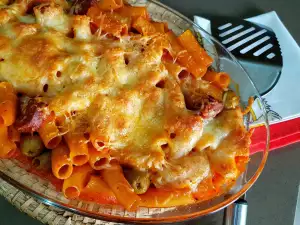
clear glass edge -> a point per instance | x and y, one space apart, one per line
105 217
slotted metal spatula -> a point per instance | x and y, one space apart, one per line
255 46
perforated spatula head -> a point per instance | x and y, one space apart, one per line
255 46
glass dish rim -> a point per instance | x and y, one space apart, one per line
52 202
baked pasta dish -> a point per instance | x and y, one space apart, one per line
113 107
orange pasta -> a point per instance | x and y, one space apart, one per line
184 58
111 23
190 43
143 26
166 198
79 152
73 186
160 27
7 147
62 167
173 68
134 12
115 179
49 132
220 79
98 191
116 24
108 5
8 104
96 15
98 159
97 140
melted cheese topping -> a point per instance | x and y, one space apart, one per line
117 90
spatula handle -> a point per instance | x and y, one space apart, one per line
236 213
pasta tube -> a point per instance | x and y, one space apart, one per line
143 26
184 58
7 147
155 197
98 141
160 27
62 167
8 104
79 152
190 43
173 68
131 11
73 186
98 159
98 191
110 23
115 179
220 79
108 5
50 133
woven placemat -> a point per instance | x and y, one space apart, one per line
44 213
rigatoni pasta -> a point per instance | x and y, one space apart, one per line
7 147
99 159
73 185
98 140
166 198
110 4
115 179
8 104
98 191
79 153
133 12
113 24
160 27
190 43
62 165
220 79
144 26
50 133
184 58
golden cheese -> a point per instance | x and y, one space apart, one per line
119 91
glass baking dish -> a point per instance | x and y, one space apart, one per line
12 172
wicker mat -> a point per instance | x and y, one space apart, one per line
44 213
